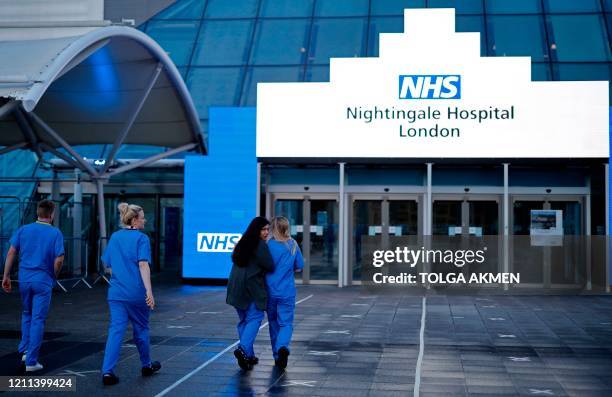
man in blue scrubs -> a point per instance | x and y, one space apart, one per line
40 247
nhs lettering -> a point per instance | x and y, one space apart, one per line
217 242
430 86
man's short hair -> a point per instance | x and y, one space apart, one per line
45 209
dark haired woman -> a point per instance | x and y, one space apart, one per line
246 288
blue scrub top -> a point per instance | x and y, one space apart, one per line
281 282
38 244
125 249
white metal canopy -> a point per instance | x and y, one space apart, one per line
113 85
87 87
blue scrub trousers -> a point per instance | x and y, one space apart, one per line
280 319
250 321
36 298
120 313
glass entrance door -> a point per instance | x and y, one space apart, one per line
553 262
314 225
467 222
381 223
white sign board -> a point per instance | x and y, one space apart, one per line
429 95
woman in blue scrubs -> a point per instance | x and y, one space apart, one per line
287 259
130 296
246 287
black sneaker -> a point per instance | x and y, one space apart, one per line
283 356
109 379
243 360
151 369
254 360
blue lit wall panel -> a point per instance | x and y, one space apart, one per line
220 193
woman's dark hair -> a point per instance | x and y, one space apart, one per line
248 242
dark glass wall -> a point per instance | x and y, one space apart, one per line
224 48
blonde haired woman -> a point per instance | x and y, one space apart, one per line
287 259
130 296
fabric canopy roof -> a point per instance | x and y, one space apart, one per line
90 88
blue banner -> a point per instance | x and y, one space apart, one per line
220 193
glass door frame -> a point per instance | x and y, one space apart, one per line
465 198
306 198
547 269
384 198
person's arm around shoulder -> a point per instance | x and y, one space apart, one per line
264 258
59 253
144 258
298 264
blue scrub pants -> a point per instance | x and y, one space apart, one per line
250 321
120 313
280 319
36 298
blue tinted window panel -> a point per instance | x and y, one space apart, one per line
394 7
175 37
385 177
572 6
231 9
582 71
214 87
262 74
382 25
317 73
130 151
337 38
513 6
286 8
91 151
608 5
183 9
223 42
540 71
294 176
505 38
473 23
341 8
280 42
579 38
220 194
461 7
578 72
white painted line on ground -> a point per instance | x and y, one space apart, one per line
79 373
320 353
307 383
547 392
417 377
205 364
520 359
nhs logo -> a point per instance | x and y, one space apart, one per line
217 242
439 86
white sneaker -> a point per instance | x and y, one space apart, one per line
33 368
